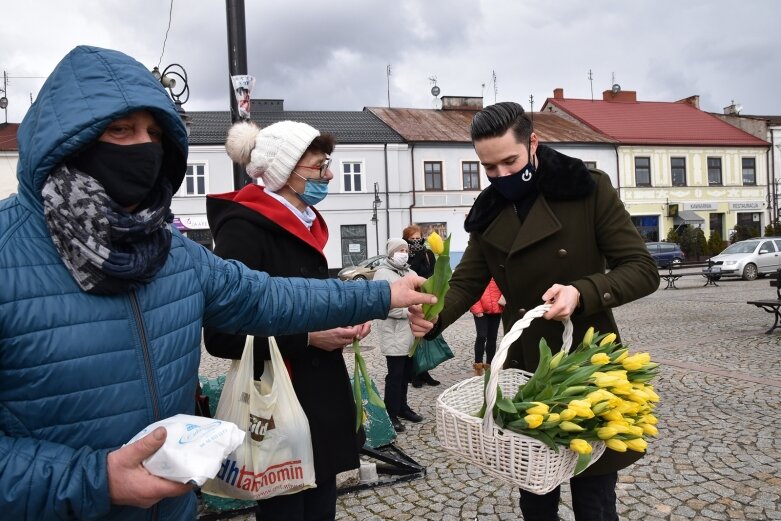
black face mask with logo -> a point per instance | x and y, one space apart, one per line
128 173
516 187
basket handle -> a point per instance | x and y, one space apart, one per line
501 355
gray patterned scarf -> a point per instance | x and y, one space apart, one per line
106 249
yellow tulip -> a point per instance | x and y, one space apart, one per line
556 360
616 445
610 338
643 357
612 415
600 359
553 417
582 408
650 430
620 427
601 407
607 381
580 446
435 243
638 396
650 419
652 396
637 444
533 420
605 433
634 430
588 337
567 414
567 426
539 408
632 364
621 357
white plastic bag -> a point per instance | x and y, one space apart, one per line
194 447
276 456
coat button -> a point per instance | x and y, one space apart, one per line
607 296
515 364
562 253
522 312
501 267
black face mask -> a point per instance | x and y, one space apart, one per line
128 173
415 245
517 186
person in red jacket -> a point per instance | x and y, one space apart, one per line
488 313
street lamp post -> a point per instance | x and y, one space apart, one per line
375 205
3 99
174 78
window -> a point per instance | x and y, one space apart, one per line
714 171
432 171
590 164
749 171
717 224
353 244
642 171
678 171
470 173
194 180
352 176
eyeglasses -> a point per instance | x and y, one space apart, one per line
322 168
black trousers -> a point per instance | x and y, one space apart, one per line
487 328
396 384
593 499
314 504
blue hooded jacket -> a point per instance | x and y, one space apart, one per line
80 374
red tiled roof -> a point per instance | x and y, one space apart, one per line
655 123
448 126
8 137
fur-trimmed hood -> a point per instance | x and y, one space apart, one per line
561 178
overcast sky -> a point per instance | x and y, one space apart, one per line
333 55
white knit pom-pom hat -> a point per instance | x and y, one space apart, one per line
270 153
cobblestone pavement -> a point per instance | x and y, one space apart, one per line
718 455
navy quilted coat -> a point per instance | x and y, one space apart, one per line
81 374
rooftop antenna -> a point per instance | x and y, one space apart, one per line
591 82
496 88
531 107
482 90
434 91
388 74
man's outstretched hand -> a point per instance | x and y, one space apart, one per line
404 292
129 483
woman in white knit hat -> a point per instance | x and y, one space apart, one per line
275 228
395 339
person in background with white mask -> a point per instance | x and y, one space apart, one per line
395 339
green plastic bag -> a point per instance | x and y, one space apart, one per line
430 353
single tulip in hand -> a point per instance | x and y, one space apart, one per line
439 283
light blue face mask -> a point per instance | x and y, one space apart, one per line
315 190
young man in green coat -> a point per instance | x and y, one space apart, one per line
547 229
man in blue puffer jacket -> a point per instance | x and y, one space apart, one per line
102 301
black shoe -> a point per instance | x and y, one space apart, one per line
417 383
397 425
411 415
430 381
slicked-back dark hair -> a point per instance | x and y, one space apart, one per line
496 120
324 143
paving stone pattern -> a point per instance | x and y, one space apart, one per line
718 456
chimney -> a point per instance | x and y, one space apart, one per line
694 101
733 109
558 93
617 95
462 103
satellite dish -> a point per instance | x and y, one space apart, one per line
3 102
616 88
435 91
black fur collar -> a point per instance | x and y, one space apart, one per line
561 178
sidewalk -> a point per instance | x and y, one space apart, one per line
718 455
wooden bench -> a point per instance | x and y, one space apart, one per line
772 306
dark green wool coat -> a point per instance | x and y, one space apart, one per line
576 228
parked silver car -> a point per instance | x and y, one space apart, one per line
363 271
750 258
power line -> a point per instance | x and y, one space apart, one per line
170 11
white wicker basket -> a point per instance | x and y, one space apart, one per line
509 456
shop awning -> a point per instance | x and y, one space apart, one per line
687 217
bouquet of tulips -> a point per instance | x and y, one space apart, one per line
596 392
371 394
439 282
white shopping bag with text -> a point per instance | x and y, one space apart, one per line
276 456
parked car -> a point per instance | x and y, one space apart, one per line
666 254
363 271
750 258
